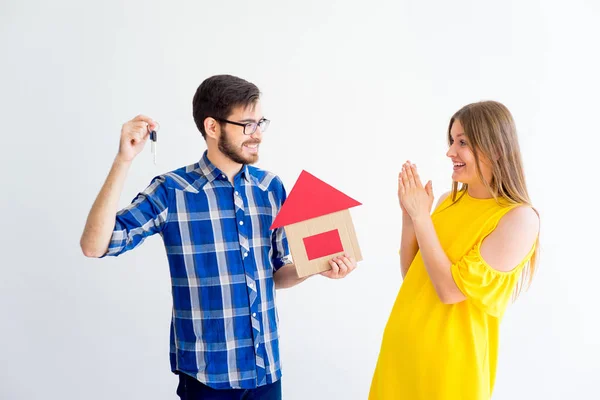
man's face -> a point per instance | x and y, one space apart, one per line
240 148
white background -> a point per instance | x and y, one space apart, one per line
353 90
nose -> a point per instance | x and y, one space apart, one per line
451 153
257 135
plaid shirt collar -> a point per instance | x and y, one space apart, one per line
211 172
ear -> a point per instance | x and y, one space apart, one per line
212 128
496 154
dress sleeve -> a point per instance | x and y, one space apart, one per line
489 289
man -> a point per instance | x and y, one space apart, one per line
225 263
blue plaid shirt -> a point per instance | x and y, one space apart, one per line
222 257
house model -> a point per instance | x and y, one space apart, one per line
318 225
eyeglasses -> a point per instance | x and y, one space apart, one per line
250 127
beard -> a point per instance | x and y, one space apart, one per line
236 154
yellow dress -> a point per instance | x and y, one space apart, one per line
434 351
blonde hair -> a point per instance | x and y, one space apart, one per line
491 133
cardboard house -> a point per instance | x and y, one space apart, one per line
318 225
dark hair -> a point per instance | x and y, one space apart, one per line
218 95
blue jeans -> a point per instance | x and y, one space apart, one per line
190 389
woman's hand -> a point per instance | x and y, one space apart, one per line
404 212
415 200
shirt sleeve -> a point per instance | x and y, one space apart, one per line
281 255
281 252
145 216
489 289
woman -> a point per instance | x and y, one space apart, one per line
461 265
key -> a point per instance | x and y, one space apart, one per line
153 144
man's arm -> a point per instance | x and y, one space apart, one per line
287 277
101 219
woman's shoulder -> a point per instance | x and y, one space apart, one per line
443 198
521 217
513 239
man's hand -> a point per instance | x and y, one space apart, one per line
340 267
134 135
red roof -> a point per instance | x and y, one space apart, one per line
311 198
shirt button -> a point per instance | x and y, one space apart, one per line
257 345
241 222
254 314
223 176
246 254
237 193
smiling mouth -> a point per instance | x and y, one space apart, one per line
458 165
252 147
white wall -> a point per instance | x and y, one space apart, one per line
353 89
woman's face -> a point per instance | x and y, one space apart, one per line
463 160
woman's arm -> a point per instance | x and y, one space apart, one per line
502 250
409 245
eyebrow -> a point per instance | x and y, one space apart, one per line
459 135
251 120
